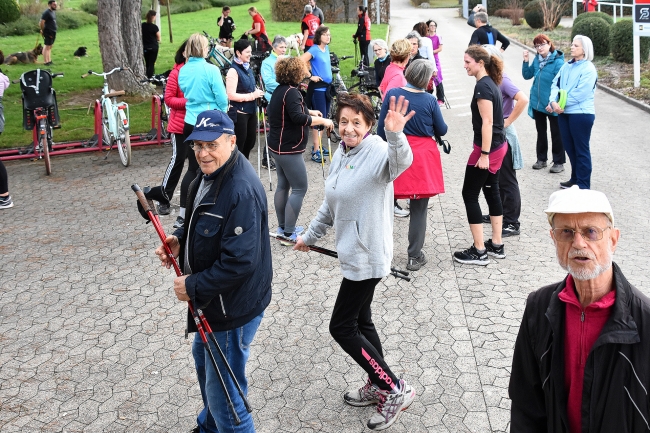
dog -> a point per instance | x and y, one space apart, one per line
24 56
294 42
80 52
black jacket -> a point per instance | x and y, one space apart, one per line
480 37
617 373
289 121
229 247
380 69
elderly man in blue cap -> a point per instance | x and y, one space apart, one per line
582 356
226 255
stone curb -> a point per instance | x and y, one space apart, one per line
616 93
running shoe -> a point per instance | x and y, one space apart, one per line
415 263
315 156
179 222
495 251
472 256
391 405
298 230
367 395
6 202
402 213
509 230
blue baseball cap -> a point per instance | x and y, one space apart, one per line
210 124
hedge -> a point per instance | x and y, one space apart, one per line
621 42
586 15
596 29
9 11
28 24
534 16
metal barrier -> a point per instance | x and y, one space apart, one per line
620 5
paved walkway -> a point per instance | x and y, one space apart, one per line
91 336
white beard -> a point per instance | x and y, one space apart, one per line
586 274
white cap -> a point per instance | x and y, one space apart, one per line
576 200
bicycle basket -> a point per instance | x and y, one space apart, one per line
37 90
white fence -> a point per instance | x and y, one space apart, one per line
616 6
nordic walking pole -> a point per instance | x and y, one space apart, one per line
397 273
320 147
266 143
201 322
259 148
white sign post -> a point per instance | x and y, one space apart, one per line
641 28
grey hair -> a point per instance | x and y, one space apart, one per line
308 9
382 43
419 73
481 16
587 46
493 51
414 35
279 40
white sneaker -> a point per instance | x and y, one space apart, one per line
402 213
390 406
367 395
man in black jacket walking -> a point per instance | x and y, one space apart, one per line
581 357
486 34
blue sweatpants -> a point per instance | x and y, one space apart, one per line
576 132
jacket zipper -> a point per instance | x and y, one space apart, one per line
211 214
582 338
223 308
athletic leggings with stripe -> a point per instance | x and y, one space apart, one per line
192 168
352 328
180 151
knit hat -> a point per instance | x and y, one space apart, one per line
587 46
576 200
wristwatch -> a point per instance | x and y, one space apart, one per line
483 152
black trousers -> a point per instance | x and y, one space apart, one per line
363 47
475 180
557 150
245 130
150 56
352 328
180 151
192 167
509 191
4 179
440 92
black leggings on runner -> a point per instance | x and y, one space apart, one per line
4 179
475 180
245 130
351 326
192 167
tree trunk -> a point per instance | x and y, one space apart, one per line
120 42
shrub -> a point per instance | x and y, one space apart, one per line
514 15
222 3
22 26
586 15
71 19
90 7
621 42
535 16
9 11
596 29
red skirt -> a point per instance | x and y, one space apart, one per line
424 177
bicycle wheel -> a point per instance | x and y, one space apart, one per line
123 141
45 144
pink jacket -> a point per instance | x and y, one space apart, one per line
175 100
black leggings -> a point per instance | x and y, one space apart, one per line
440 92
180 151
245 130
475 180
4 179
351 326
150 56
192 168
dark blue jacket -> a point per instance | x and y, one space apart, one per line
541 88
229 247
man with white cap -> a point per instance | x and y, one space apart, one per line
582 357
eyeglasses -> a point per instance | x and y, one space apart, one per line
537 47
210 147
590 234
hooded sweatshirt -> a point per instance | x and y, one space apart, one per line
359 204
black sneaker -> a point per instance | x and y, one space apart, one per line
179 222
415 263
164 208
6 202
486 219
472 256
265 164
498 252
539 165
509 230
567 184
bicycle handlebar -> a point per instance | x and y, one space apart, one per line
103 74
345 57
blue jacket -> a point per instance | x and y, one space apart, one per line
579 80
543 78
203 88
268 75
229 249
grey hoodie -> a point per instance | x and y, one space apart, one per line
359 204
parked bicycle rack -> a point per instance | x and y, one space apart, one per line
94 144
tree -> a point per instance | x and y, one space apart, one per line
120 42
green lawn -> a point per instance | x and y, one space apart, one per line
75 94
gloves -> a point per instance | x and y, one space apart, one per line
142 212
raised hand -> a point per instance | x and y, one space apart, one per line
397 115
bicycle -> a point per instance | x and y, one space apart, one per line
366 86
339 87
115 118
40 111
160 80
216 56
